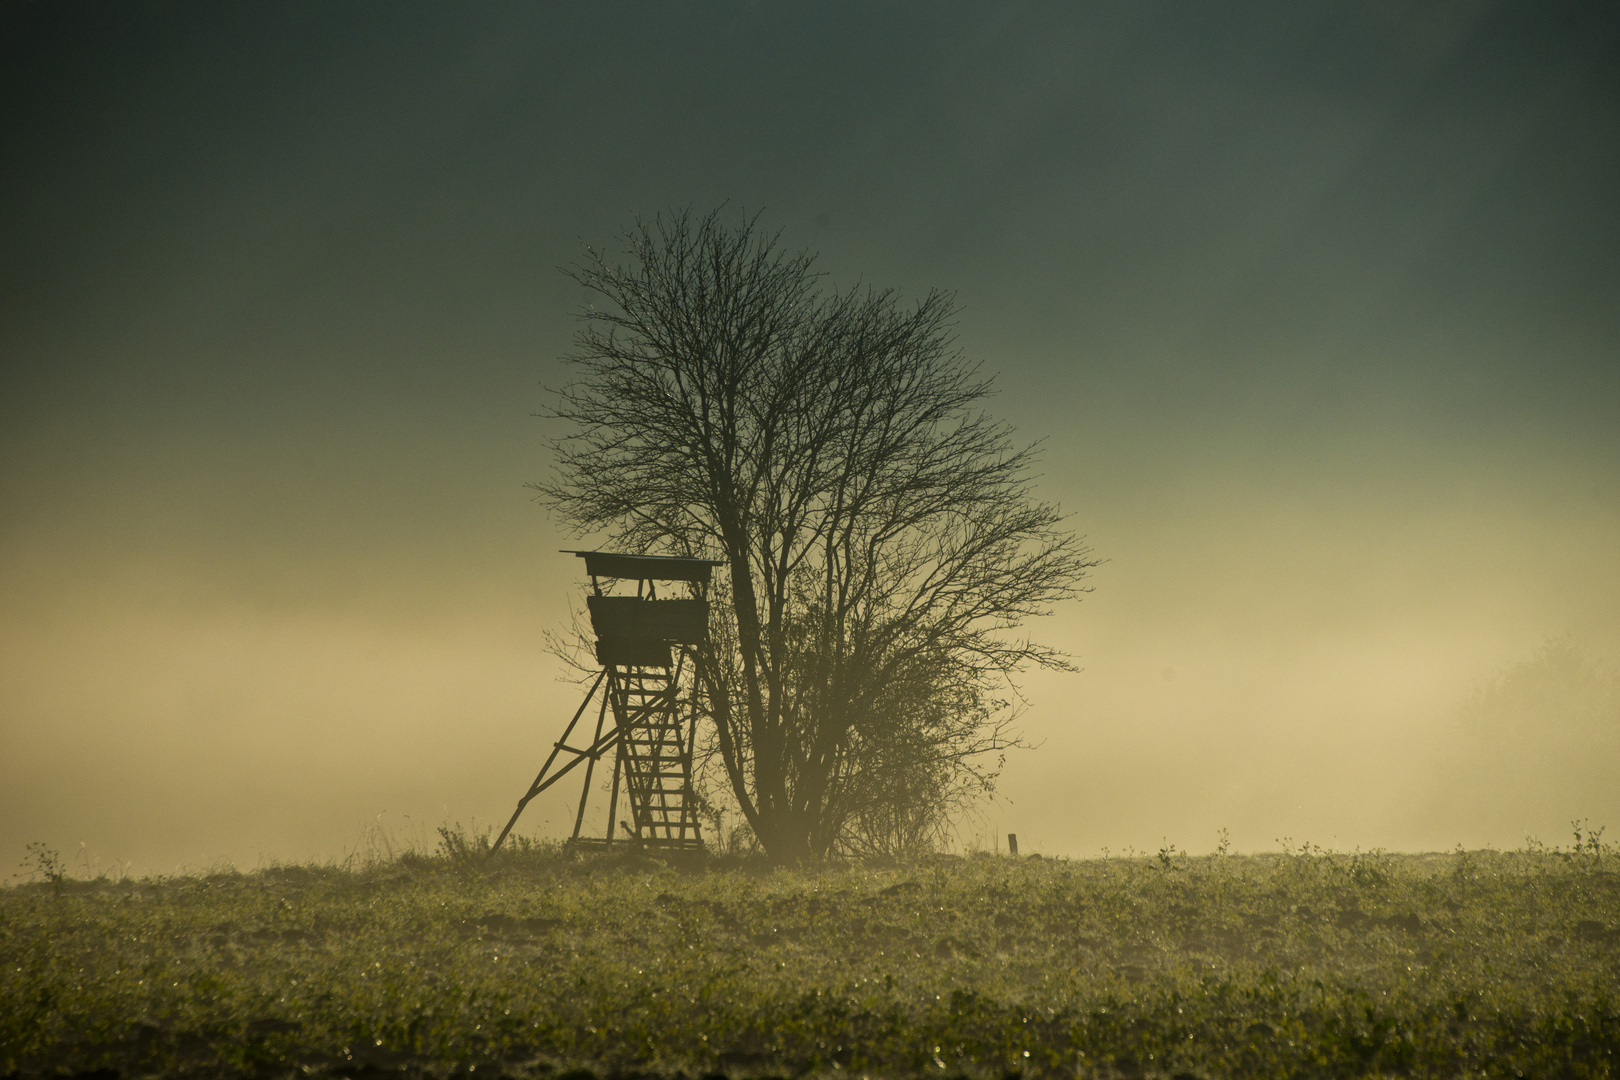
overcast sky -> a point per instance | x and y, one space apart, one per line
1315 308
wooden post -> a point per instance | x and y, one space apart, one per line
1012 843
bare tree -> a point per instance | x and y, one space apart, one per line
881 538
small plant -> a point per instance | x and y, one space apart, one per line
1372 869
1305 851
1225 845
461 846
1589 848
44 864
1587 840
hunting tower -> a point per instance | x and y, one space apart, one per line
644 644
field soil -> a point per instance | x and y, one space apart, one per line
540 962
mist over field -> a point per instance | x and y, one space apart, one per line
1312 308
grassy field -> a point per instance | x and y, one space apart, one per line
1304 963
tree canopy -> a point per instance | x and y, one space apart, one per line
883 543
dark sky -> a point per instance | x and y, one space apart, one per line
1315 307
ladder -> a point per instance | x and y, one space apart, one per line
654 755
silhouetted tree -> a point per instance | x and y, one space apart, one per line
880 535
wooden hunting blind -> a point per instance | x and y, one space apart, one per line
645 645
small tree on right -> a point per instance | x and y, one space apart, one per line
882 543
1537 745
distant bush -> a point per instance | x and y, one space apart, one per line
1542 736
